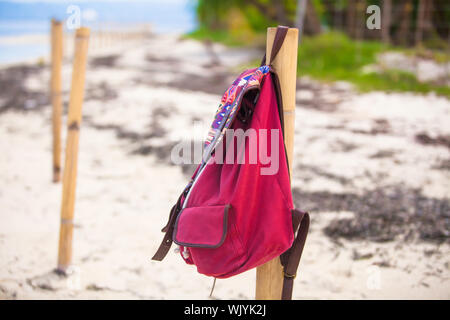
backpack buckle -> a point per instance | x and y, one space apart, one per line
289 276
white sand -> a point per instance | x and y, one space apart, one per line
123 200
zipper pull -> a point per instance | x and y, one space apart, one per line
185 253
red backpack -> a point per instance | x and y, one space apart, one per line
237 212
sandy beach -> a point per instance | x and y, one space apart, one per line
372 169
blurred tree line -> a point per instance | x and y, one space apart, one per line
403 22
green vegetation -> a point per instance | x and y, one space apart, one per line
394 80
225 37
336 44
333 56
438 55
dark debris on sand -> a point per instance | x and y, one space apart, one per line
383 214
165 60
442 165
379 126
104 61
215 83
318 102
102 92
310 172
13 93
143 139
425 139
387 153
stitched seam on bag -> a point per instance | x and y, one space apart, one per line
278 182
285 203
238 236
282 194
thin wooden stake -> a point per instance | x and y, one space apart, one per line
55 94
269 277
70 164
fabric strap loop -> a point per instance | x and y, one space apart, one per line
280 35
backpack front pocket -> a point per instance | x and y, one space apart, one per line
211 238
202 227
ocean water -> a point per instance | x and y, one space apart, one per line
30 17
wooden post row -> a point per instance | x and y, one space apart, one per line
269 277
71 157
55 94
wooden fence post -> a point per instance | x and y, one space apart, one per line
269 277
70 164
55 94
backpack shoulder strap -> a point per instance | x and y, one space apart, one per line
166 243
277 43
291 258
300 220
